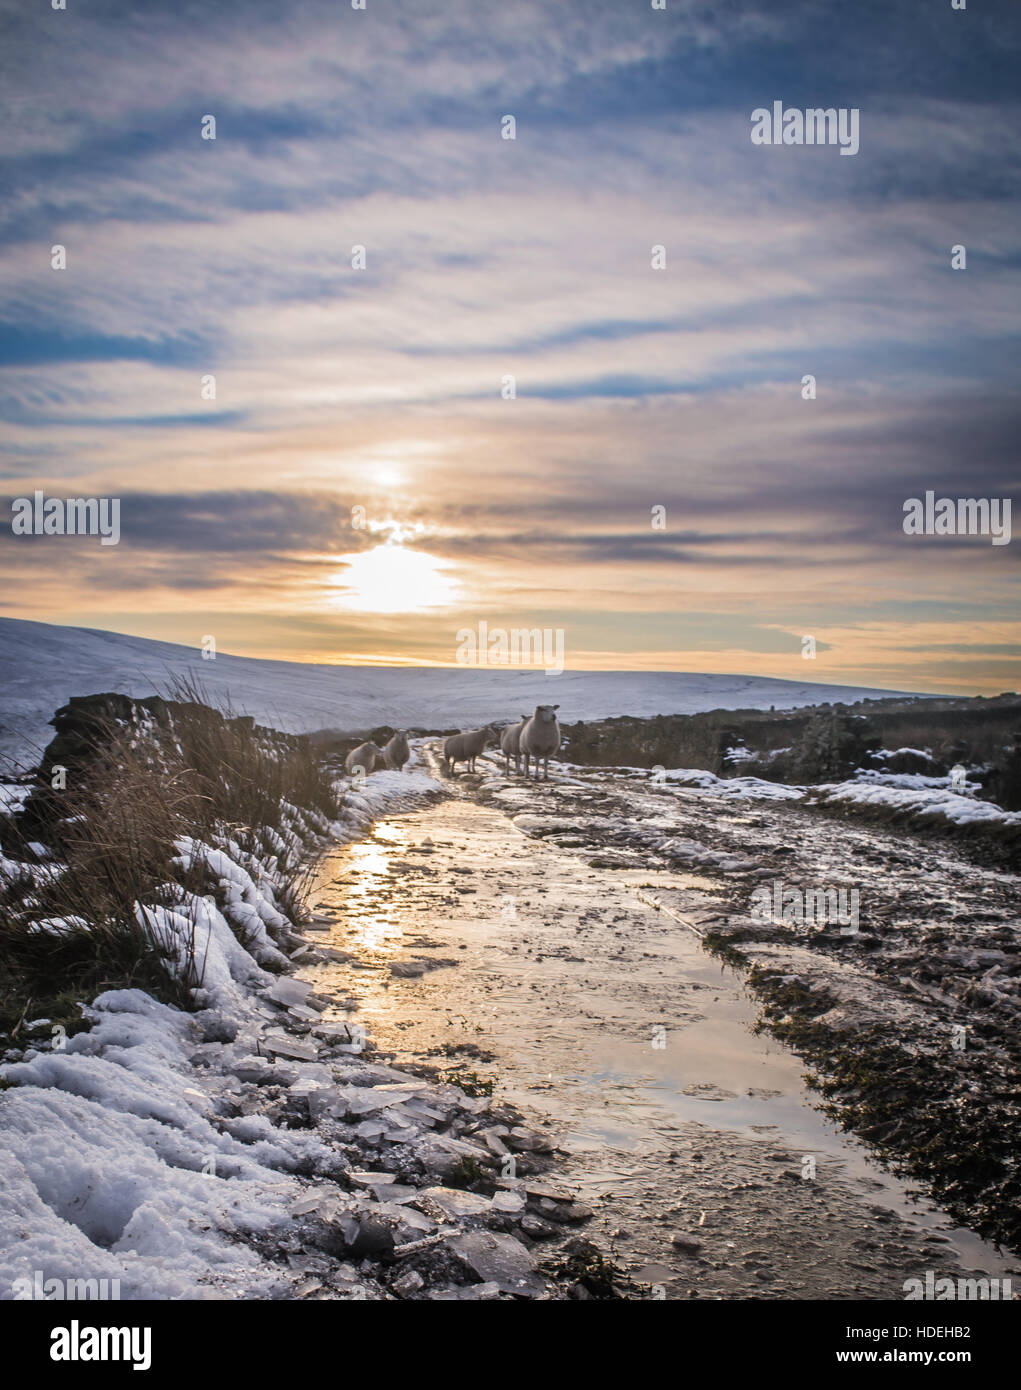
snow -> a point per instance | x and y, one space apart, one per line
107 1165
115 1163
918 798
43 665
730 788
13 797
741 754
60 926
915 780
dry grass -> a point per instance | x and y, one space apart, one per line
114 830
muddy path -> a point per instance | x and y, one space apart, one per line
580 986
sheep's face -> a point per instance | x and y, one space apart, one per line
545 714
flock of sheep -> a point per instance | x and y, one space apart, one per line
535 739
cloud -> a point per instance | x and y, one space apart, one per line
531 258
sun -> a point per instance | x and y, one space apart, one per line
391 579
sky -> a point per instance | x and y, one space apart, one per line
509 414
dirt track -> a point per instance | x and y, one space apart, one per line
477 948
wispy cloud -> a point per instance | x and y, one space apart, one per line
489 259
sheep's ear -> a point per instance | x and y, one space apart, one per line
556 706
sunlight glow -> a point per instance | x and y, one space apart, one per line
391 579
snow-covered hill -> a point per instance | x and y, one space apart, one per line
42 665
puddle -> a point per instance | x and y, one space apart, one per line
589 1006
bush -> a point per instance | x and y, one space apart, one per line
832 746
140 776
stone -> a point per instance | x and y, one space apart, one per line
365 1237
468 1293
494 1143
410 1282
454 1202
259 1071
288 991
305 1015
548 1191
528 1140
369 1177
312 1201
501 1260
394 1192
283 1046
509 1203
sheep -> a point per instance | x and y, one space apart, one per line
396 751
365 756
540 736
510 744
465 748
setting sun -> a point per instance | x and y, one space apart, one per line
391 579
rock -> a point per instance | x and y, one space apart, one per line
410 1282
369 1177
283 1046
687 1244
527 1139
370 1130
540 1189
468 1293
336 1233
370 1238
394 1192
454 1202
288 991
325 1103
425 1114
510 1203
259 1071
300 1012
312 1201
494 1142
410 1224
538 1229
363 1100
501 1260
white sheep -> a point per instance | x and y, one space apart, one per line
396 751
510 744
540 737
365 756
465 748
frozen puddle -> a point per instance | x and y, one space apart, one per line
461 942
